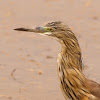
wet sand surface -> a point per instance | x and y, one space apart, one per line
28 68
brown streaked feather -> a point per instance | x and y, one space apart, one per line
93 87
86 98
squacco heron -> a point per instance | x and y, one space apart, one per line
74 84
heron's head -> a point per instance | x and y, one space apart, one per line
54 29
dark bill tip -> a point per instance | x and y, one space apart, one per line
21 29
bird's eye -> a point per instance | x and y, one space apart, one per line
50 29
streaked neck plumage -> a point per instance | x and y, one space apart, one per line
71 51
70 69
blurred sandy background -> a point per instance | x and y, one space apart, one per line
28 68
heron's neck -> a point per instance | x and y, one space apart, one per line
71 53
70 70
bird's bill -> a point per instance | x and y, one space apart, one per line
41 29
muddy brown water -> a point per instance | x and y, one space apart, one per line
28 68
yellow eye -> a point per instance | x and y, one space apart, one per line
49 28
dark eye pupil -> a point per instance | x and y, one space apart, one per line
50 29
